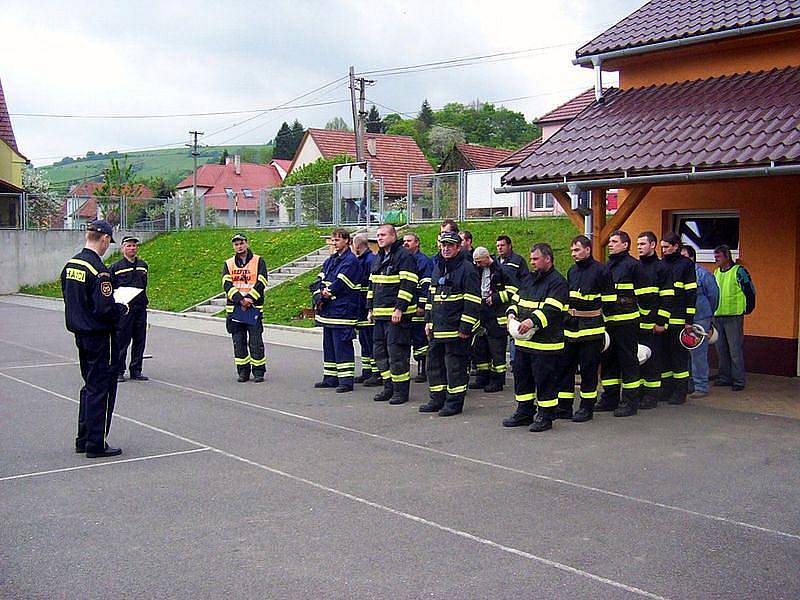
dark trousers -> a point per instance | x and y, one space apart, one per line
675 382
338 356
419 341
98 355
392 349
586 356
537 377
489 352
132 328
729 349
448 371
368 367
652 370
619 365
248 348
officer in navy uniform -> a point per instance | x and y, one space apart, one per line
91 315
131 271
336 296
419 341
370 376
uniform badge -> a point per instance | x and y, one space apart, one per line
106 289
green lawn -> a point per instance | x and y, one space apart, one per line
186 266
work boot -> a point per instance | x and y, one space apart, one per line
648 402
362 378
258 379
563 411
481 381
121 378
374 381
626 408
322 384
493 387
582 415
677 398
432 405
139 377
452 406
243 378
541 422
422 376
398 399
344 388
384 395
606 404
523 416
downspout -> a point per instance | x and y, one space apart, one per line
597 61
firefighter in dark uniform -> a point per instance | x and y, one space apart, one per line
513 263
590 289
336 296
419 341
539 307
619 365
655 303
675 382
490 343
131 271
452 316
390 302
244 279
369 372
91 315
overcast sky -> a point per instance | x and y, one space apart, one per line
155 58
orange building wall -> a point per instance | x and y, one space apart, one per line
761 53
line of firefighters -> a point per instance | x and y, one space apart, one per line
459 309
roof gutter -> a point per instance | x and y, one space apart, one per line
665 178
595 59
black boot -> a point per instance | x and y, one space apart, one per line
606 404
385 394
400 393
452 406
523 416
422 376
373 381
649 401
435 404
564 409
481 381
363 377
542 421
496 384
627 408
585 412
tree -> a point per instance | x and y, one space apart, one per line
43 205
442 139
337 124
316 200
296 137
283 142
320 171
425 118
391 119
374 123
118 181
223 157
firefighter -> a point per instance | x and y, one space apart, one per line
390 305
619 365
675 382
336 296
655 302
419 341
244 279
590 288
369 372
538 307
490 343
91 315
451 318
131 271
511 261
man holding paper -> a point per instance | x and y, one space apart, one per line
131 272
244 279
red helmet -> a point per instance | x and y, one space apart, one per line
691 339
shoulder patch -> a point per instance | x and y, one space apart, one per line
106 289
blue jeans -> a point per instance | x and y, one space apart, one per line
729 349
700 361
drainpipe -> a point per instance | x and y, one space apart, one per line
598 78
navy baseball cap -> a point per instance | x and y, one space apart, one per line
131 238
449 237
239 236
102 226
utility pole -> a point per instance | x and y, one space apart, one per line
195 154
359 114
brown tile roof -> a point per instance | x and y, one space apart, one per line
397 156
513 159
662 20
87 189
736 120
252 177
6 131
570 108
482 157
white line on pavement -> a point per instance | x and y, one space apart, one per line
105 464
388 509
57 364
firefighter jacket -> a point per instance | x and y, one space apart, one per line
684 280
341 275
125 273
493 316
656 295
591 290
89 306
627 275
542 299
244 278
365 261
392 283
454 297
516 268
424 270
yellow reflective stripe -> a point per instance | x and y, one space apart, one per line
124 270
589 395
579 296
566 395
142 269
242 361
229 308
646 325
679 285
468 319
622 317
667 292
334 321
231 292
623 286
646 290
407 296
263 280
691 310
226 278
666 374
444 335
503 296
677 321
498 369
692 285
645 311
254 294
437 388
370 295
424 280
547 403
459 389
83 263
608 382
512 288
258 362
375 278
525 397
553 302
472 298
652 384
609 297
502 320
541 316
584 332
347 281
539 345
631 385
408 275
681 375
450 298
664 313
528 303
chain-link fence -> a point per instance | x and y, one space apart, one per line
435 197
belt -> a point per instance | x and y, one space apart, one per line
584 313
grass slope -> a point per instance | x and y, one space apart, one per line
185 266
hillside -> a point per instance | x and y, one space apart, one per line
173 164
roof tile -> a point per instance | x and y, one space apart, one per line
483 157
217 178
6 131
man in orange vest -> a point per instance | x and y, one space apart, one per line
244 278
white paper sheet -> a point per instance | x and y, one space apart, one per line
123 295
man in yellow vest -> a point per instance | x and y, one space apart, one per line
244 278
737 297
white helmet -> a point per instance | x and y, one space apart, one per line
643 353
513 329
606 341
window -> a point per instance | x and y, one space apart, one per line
542 202
229 192
247 193
704 231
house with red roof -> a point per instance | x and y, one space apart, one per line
81 205
12 162
702 137
236 190
471 157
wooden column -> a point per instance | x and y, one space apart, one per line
632 201
598 223
565 202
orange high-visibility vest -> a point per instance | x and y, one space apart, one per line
243 278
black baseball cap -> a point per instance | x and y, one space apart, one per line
449 237
239 236
102 226
131 238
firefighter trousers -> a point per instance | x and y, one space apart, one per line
392 352
338 356
536 378
419 341
675 374
132 331
651 370
248 348
619 365
583 355
368 367
490 357
448 371
98 355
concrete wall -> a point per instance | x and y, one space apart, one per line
33 257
